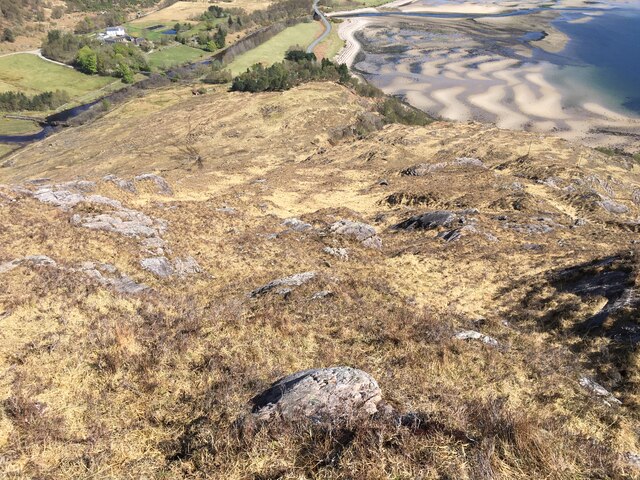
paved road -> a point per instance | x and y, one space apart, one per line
327 27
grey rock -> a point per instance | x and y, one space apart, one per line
360 231
423 169
107 275
633 459
613 207
341 253
130 223
78 185
186 266
599 390
121 183
291 281
428 221
159 266
322 395
161 184
373 242
468 162
473 335
296 224
33 260
321 294
59 198
229 210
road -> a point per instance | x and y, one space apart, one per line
327 28
38 53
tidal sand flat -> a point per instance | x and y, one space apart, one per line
571 69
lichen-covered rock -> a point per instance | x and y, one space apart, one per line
34 260
473 335
186 266
108 275
612 206
341 253
159 266
296 224
423 169
325 394
291 281
599 390
428 221
121 183
360 231
161 184
130 223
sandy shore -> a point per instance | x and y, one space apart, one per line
466 83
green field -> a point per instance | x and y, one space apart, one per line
175 55
9 126
273 50
30 74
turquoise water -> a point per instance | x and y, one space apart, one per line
605 53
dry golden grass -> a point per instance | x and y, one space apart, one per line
105 385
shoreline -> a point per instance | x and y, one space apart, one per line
467 86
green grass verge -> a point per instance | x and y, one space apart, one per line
30 74
273 50
331 45
174 55
10 126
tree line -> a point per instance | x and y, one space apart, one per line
18 101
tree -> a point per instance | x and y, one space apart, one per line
230 21
8 35
87 60
220 37
125 73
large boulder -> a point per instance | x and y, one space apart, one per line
291 281
324 394
362 232
428 221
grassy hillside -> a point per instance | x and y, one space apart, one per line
102 381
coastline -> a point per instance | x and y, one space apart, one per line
496 89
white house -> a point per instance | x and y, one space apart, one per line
112 32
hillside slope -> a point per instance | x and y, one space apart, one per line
131 343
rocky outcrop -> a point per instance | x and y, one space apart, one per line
121 183
428 221
161 184
35 260
130 223
108 275
291 281
162 267
322 395
423 169
297 224
359 231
